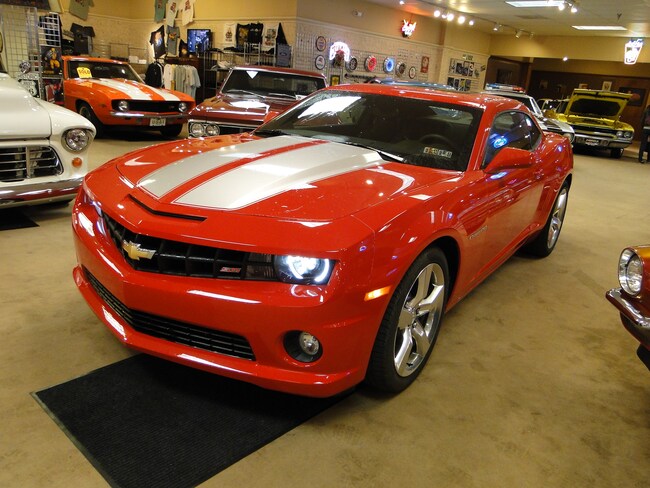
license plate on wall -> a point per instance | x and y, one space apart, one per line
157 122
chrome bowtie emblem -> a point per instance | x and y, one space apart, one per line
135 252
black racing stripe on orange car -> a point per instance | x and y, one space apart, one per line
186 186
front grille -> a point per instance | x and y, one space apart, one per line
174 330
22 162
155 255
150 106
590 129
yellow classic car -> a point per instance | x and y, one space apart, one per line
595 118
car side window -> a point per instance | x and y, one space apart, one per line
511 129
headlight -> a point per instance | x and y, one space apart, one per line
182 107
630 272
76 139
123 105
212 129
196 129
303 270
629 135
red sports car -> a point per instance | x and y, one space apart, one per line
110 93
632 299
325 247
247 95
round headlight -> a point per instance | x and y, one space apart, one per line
303 270
182 107
196 129
630 272
76 139
212 129
123 105
303 346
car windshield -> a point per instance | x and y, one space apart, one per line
92 69
410 130
268 83
594 107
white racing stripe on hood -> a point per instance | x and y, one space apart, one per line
134 92
165 179
291 170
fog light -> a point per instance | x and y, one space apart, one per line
303 346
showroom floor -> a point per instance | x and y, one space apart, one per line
534 381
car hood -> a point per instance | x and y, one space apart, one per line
246 106
22 115
597 104
282 177
128 90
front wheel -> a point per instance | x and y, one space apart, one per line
546 240
616 152
410 325
87 112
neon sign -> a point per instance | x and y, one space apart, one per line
632 50
407 28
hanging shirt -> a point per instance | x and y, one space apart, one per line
173 34
187 14
159 10
172 9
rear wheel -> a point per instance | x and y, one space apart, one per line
410 325
87 112
546 240
171 130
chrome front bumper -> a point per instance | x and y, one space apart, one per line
39 193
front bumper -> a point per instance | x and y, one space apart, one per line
39 193
634 318
144 119
592 140
260 312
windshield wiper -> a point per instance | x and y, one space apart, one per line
384 155
282 95
237 90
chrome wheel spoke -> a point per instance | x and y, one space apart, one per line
403 355
422 342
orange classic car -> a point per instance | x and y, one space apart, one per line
110 93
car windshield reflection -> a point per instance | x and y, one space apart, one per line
413 131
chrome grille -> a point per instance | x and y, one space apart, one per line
590 129
150 106
155 255
174 330
23 162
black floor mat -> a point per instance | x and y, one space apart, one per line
14 218
148 422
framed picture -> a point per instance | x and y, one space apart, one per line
607 86
319 62
335 80
321 43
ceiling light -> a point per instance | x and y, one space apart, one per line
496 27
535 3
599 27
574 8
518 34
471 22
450 16
461 19
531 35
402 2
436 13
565 58
561 7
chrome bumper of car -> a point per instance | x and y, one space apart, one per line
635 321
598 141
39 193
140 115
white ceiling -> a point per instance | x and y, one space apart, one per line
634 15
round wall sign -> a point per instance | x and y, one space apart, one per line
389 65
321 43
319 61
412 72
370 63
352 64
401 69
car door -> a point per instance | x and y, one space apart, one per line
509 199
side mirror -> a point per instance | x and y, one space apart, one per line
510 158
270 115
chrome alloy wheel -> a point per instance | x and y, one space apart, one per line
557 217
419 319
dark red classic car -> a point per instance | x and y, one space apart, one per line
632 299
325 247
247 95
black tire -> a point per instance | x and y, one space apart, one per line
87 112
411 324
616 152
545 241
171 130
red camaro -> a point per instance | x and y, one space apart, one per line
325 247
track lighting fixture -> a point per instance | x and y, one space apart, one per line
518 34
